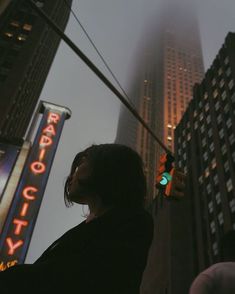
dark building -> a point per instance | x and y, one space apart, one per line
27 50
205 150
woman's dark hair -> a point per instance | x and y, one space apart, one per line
117 175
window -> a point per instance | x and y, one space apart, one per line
218 198
208 188
212 225
224 95
215 248
229 122
215 93
212 147
221 84
219 118
221 133
208 119
229 185
216 180
231 139
213 163
210 207
231 84
221 218
232 205
9 34
22 37
207 172
210 132
226 166
27 27
228 72
217 105
205 156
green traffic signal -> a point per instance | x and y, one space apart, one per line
166 178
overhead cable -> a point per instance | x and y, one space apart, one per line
96 71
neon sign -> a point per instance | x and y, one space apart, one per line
17 231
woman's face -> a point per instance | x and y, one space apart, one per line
79 192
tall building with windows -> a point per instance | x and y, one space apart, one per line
27 50
205 149
169 68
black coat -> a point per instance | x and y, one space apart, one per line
106 255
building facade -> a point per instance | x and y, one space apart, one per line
27 50
171 65
205 150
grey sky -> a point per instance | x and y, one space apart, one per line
115 27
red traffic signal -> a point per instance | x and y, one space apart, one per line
175 188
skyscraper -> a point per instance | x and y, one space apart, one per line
27 49
205 149
171 65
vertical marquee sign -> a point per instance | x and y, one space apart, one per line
20 222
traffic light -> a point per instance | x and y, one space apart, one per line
175 188
163 176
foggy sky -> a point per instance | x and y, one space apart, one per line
116 28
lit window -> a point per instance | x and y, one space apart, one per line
231 139
27 27
208 119
221 83
224 149
226 60
220 71
15 24
207 172
220 218
217 105
215 93
212 225
231 84
195 125
229 185
207 106
228 72
200 179
232 205
229 122
205 96
188 136
22 37
212 147
201 116
210 207
8 34
221 133
213 163
223 95
202 128
213 81
215 248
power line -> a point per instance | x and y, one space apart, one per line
98 52
97 72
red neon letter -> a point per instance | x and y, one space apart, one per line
45 141
42 154
12 246
49 130
37 167
24 209
26 192
53 117
19 224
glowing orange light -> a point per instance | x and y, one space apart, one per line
42 154
24 209
13 246
19 224
26 192
38 167
53 117
45 141
49 130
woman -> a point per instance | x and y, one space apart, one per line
107 252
